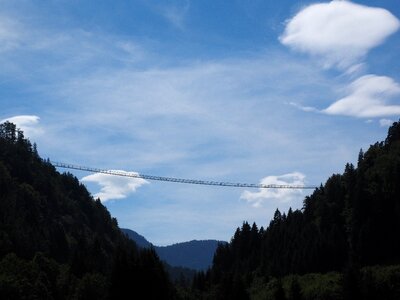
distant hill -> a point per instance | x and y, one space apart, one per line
57 242
196 255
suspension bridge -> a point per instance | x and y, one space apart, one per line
179 180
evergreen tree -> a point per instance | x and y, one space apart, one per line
346 224
57 242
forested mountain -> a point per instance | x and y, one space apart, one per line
196 255
343 244
57 242
140 240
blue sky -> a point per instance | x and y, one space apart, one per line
247 91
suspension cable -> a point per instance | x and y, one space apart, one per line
180 180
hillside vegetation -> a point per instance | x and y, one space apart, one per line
57 242
343 244
195 255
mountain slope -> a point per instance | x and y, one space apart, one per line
137 238
196 255
56 241
348 224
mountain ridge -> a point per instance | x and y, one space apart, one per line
193 254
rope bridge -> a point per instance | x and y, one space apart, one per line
180 180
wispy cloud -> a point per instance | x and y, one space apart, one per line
368 97
385 122
339 32
29 124
175 12
118 103
156 115
186 113
115 187
283 195
303 108
10 34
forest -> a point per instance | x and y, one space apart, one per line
343 244
58 242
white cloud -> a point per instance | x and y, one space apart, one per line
27 123
9 34
197 118
385 122
368 97
176 15
340 32
303 108
283 195
115 187
174 12
196 104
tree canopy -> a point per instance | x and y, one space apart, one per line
349 223
57 242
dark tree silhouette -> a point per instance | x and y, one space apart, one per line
57 242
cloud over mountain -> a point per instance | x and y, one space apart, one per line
115 187
283 195
27 123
